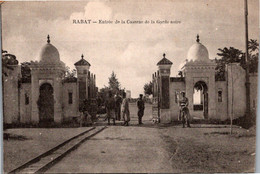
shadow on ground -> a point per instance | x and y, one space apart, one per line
8 136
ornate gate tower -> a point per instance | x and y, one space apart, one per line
199 72
164 72
46 86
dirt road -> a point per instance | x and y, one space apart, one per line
163 148
147 148
120 149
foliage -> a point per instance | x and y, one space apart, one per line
148 88
26 71
113 86
102 95
70 75
113 83
7 61
253 47
180 73
233 55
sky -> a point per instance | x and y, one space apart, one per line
130 50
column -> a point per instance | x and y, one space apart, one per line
57 87
35 97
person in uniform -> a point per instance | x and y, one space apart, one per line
118 101
110 108
141 107
184 103
125 110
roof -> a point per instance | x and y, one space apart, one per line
49 54
82 62
198 52
164 61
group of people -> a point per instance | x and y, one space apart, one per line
116 106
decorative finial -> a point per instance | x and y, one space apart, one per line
164 55
198 38
48 39
82 56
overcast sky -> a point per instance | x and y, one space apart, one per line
130 50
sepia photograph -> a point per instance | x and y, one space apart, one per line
108 86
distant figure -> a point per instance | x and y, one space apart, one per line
125 110
85 117
140 105
110 108
184 103
118 101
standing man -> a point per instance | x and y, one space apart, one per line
118 101
140 105
184 103
125 110
110 108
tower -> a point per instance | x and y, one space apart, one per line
46 85
164 68
199 72
82 67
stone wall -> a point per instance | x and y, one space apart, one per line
25 103
70 109
11 99
253 91
221 101
175 89
236 91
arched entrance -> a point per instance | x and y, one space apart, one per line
200 100
46 104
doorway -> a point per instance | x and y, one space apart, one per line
200 100
46 104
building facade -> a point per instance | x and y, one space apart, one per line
47 95
209 97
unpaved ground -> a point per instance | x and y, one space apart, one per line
118 149
27 143
210 149
147 148
163 148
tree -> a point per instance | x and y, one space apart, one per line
228 55
113 86
113 83
233 55
7 61
253 47
180 73
26 71
70 73
148 88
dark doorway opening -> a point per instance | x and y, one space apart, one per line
46 104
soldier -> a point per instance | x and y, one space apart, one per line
118 101
125 110
184 103
110 108
141 107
